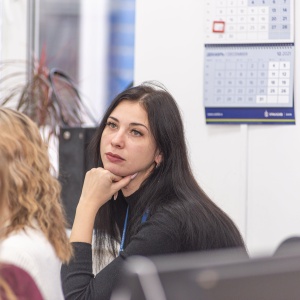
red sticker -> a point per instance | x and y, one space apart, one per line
219 26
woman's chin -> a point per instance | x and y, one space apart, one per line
116 171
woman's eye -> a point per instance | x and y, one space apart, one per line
136 133
111 124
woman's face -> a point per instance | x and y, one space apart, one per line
127 145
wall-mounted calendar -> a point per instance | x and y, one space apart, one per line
249 62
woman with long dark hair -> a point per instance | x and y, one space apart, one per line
141 198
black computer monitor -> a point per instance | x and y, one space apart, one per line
215 275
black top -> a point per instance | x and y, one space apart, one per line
77 277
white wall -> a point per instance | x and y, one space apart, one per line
13 23
251 171
93 55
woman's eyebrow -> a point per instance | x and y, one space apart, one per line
131 124
113 118
138 124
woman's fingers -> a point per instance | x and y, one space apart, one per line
100 185
125 183
118 185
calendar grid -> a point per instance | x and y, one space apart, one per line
249 21
249 76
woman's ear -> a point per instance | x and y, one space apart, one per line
158 158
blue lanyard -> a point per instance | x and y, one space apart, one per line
124 231
144 219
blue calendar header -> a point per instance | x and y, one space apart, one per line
266 115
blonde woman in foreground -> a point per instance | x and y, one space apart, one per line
32 223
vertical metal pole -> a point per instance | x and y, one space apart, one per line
32 35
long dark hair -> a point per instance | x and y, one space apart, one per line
171 186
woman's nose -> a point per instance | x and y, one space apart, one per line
118 139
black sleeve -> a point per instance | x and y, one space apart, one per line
77 277
78 280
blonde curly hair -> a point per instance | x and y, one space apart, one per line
27 187
6 291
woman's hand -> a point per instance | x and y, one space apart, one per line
98 187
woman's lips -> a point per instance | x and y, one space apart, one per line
114 158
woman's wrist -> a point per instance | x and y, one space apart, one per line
88 207
83 225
